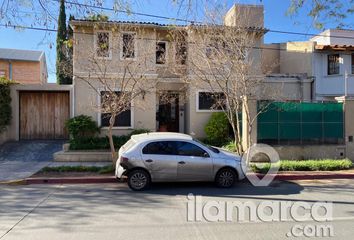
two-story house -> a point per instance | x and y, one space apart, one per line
23 66
104 51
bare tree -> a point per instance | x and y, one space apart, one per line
226 60
119 84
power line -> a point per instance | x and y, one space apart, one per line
127 12
193 22
149 39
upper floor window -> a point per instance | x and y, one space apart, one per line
352 63
2 73
124 119
160 52
128 45
102 44
210 101
181 52
333 64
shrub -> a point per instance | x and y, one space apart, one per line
97 143
81 126
62 169
230 146
217 129
307 165
139 131
5 103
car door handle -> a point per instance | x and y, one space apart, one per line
149 160
182 162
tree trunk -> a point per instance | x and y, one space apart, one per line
114 154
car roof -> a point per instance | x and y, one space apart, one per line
160 136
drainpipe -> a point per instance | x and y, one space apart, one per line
346 83
10 70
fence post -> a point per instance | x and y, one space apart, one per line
249 123
348 105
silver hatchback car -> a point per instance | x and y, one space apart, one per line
175 157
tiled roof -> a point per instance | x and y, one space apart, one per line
22 55
81 21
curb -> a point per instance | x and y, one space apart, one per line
112 179
14 182
285 177
73 180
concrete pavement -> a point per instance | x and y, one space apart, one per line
20 160
112 211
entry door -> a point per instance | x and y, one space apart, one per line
169 112
194 163
43 115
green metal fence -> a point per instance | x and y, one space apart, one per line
300 123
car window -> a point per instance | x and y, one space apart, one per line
190 149
161 148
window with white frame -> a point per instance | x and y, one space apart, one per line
160 52
128 45
332 64
102 44
210 101
124 119
2 73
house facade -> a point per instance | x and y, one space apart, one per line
328 59
23 66
103 51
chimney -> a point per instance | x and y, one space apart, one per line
244 15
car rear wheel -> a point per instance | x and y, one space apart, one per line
226 178
138 180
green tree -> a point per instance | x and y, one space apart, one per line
324 12
63 76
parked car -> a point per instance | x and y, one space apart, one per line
175 157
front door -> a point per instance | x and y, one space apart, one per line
168 113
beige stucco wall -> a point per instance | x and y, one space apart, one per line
287 87
271 58
87 103
297 58
245 15
288 58
311 152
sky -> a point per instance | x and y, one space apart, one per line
275 18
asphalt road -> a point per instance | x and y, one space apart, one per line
112 211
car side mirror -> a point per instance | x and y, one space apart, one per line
205 155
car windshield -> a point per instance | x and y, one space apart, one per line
211 148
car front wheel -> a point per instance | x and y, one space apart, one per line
138 180
226 178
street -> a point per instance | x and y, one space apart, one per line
112 211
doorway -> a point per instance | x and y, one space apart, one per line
168 112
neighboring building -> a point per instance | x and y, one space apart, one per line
121 43
23 66
327 58
39 109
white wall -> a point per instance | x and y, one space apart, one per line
332 85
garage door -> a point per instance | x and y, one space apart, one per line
43 115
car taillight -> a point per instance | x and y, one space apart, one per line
124 159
